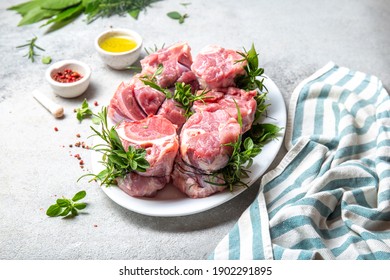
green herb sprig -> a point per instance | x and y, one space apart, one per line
250 80
117 161
67 207
248 146
31 45
177 16
182 94
253 79
46 60
84 111
153 49
105 8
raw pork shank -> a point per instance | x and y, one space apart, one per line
195 183
134 101
176 60
158 137
217 67
227 98
203 139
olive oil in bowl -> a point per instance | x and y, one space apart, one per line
118 44
119 48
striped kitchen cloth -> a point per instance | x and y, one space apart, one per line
329 198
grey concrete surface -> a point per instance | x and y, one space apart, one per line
294 39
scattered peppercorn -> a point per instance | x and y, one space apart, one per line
78 135
55 128
96 103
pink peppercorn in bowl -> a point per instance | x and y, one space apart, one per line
68 78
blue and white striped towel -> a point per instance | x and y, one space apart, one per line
329 198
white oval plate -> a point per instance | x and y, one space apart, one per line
170 202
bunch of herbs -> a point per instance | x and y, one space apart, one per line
117 161
58 13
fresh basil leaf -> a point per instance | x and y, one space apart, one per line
79 195
66 211
67 14
59 4
36 14
54 210
84 104
25 7
134 13
80 206
115 137
46 60
253 58
174 15
62 202
74 211
113 158
57 25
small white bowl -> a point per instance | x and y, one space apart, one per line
119 60
71 89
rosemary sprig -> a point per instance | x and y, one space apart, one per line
105 8
31 48
153 49
117 161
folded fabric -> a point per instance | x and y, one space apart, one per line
329 198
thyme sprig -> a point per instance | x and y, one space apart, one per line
31 48
117 161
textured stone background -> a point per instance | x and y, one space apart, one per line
294 38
